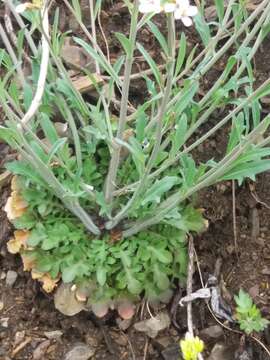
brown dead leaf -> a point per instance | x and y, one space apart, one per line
15 244
15 206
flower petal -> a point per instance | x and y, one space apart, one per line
186 20
145 8
178 14
169 7
183 4
191 11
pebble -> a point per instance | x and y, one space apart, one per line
19 336
11 278
40 351
254 291
265 271
80 352
65 301
1 305
212 332
4 322
55 334
172 352
3 275
164 341
123 324
221 352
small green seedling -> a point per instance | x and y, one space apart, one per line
248 315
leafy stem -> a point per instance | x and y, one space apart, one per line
159 125
115 157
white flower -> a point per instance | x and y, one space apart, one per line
149 6
182 10
21 8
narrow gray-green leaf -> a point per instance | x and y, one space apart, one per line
100 59
203 29
220 9
125 42
159 36
181 54
151 63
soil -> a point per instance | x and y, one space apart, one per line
239 239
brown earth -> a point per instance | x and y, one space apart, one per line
240 239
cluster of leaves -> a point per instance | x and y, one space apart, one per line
146 263
248 315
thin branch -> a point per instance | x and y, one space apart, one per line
43 67
11 32
159 125
115 158
206 180
189 284
12 54
22 26
93 28
102 96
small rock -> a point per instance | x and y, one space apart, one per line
222 352
40 351
55 334
172 352
260 241
212 332
19 336
4 322
3 275
80 352
254 291
164 341
265 271
76 57
11 278
65 301
73 24
153 325
1 305
123 324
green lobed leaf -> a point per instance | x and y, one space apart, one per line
159 188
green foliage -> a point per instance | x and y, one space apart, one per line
248 315
110 196
146 263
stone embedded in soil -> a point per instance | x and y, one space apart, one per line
3 275
65 301
55 334
123 324
19 337
80 352
40 351
1 305
265 271
172 352
4 322
222 352
11 278
254 291
153 325
212 332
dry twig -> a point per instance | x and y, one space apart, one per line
43 67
